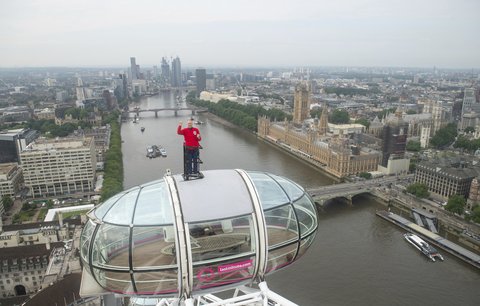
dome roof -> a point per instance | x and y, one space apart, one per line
172 236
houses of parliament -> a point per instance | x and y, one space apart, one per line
312 139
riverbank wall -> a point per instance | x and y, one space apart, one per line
450 226
312 163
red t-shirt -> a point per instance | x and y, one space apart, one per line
190 136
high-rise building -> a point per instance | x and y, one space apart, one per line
118 90
468 100
301 103
109 99
201 80
176 72
134 68
123 77
12 142
210 82
165 69
59 166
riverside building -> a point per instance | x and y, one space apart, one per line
447 177
60 166
336 155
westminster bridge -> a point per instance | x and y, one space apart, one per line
350 189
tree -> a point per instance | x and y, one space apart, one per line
339 117
7 202
413 146
316 112
412 166
476 214
365 175
419 190
469 129
411 112
444 136
467 144
456 204
363 122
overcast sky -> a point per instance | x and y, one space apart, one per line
214 33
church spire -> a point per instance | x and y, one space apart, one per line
323 123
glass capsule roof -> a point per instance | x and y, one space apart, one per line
150 204
172 236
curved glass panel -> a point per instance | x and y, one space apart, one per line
305 244
154 206
122 211
222 238
115 281
163 282
293 190
281 257
110 248
271 195
282 225
102 209
85 239
307 216
152 247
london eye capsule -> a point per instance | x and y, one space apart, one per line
173 238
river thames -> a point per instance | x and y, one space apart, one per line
356 259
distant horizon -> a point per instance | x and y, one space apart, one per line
290 67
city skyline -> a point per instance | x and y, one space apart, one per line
241 34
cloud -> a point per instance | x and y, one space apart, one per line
93 32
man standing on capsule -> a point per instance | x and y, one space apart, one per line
191 148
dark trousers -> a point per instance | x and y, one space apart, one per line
191 160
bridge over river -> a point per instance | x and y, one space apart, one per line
137 110
348 190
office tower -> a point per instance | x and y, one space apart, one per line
165 69
301 103
468 100
134 68
109 99
201 80
117 84
59 166
12 142
176 72
123 76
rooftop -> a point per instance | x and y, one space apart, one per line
59 144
